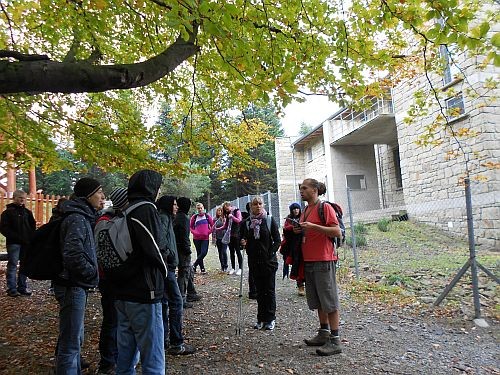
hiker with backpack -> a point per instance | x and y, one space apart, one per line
319 266
172 310
79 271
138 283
232 216
107 336
201 225
17 224
290 248
261 237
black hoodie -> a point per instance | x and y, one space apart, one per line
17 224
144 272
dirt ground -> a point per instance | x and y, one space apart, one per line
381 333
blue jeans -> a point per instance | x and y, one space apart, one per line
140 328
13 253
107 337
172 312
202 250
72 302
222 248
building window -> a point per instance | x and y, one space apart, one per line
455 106
451 71
309 154
356 181
397 167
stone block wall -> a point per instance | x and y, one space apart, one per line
390 194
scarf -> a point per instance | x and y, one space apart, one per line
255 222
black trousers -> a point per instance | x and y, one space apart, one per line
264 276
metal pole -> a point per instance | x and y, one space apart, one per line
472 249
353 236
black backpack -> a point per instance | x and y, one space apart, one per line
42 258
337 241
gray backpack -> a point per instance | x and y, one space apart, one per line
112 239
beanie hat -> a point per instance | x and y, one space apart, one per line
86 187
293 206
166 203
119 198
184 204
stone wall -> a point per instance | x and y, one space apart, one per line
433 175
390 194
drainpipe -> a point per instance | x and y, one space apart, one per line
328 161
294 175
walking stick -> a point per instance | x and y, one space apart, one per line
240 296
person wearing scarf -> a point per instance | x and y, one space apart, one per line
262 244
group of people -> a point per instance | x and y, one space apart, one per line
143 312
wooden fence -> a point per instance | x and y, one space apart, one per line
41 206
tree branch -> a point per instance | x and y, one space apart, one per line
52 76
22 56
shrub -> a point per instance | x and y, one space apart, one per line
360 239
383 225
360 228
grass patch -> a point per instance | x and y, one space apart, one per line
383 225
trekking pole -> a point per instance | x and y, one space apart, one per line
240 296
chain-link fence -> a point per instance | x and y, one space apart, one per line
271 203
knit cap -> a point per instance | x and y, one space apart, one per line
86 187
294 206
119 198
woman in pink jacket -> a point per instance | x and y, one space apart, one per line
201 227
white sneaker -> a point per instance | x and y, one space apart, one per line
238 273
231 271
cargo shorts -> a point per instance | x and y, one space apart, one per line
321 286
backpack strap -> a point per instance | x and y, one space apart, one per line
321 212
129 209
268 222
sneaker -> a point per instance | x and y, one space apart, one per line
193 297
258 325
203 272
320 339
183 349
238 273
25 292
231 271
194 270
13 293
269 326
302 291
332 346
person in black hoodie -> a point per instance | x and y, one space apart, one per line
185 274
172 302
79 272
140 288
17 225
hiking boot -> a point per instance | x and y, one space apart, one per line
13 293
187 305
320 339
258 325
332 346
193 297
84 364
25 292
183 349
269 326
302 291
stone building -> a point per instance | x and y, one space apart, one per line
375 152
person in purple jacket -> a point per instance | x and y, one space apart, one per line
201 227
